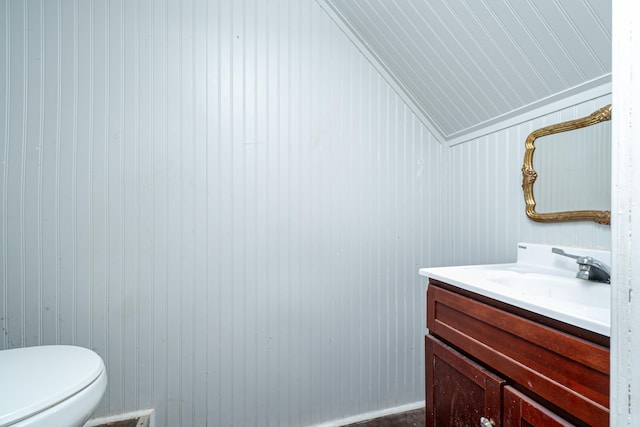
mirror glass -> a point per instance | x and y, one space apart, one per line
568 169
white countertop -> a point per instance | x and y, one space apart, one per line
541 282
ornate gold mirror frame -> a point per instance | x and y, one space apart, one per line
529 175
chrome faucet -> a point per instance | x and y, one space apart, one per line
589 268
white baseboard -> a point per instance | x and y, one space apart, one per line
148 413
373 414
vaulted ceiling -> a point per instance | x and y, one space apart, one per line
465 64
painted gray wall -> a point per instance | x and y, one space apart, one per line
229 204
223 199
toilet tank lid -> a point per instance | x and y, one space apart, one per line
33 379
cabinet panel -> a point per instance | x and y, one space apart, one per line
522 411
459 391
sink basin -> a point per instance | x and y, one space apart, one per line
567 291
564 290
540 286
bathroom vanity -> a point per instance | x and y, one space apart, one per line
508 345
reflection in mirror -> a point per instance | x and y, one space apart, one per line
574 170
570 173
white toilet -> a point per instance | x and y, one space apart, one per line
51 386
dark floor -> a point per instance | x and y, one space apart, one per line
127 423
416 418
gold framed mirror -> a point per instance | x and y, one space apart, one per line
574 158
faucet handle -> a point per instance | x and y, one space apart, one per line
563 253
579 259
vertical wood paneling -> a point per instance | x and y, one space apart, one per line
229 204
223 199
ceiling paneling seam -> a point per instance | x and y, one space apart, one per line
378 64
580 35
529 36
514 43
430 87
447 74
495 45
495 68
606 31
559 42
487 92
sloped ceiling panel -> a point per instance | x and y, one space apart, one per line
467 63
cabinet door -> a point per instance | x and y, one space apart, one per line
521 411
458 391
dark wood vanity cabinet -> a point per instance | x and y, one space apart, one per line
512 367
